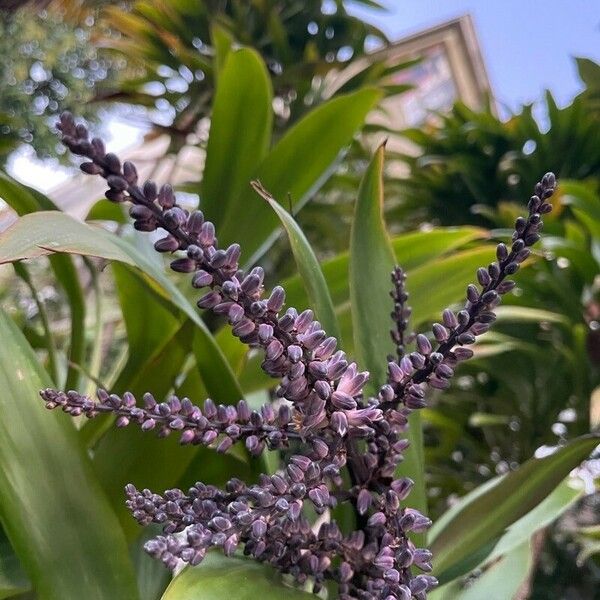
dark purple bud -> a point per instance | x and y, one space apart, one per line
166 197
303 321
130 172
343 401
417 360
276 299
363 501
472 294
402 487
346 572
423 344
167 244
90 168
501 252
150 191
207 234
449 319
294 353
183 265
114 195
395 373
520 224
174 217
489 297
113 164
466 338
483 276
209 300
202 279
339 423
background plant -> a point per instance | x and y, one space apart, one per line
86 325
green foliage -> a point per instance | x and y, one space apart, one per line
47 65
65 528
471 161
218 577
43 511
180 48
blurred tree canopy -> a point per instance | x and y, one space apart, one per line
164 56
47 64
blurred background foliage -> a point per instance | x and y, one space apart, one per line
534 381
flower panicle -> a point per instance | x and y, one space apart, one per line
433 362
322 404
315 376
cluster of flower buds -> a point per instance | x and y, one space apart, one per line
321 404
431 366
217 426
401 313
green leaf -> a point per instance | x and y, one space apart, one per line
412 250
150 324
13 579
26 200
298 165
240 131
105 210
500 581
308 266
468 532
152 577
49 232
43 233
545 513
51 505
66 274
371 262
219 577
130 455
442 282
222 42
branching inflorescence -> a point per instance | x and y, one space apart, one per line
322 405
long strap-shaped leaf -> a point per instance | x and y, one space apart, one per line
51 505
308 266
469 531
44 233
371 262
298 165
25 200
240 132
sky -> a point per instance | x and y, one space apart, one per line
527 45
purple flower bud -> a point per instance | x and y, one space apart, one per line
472 294
167 244
166 197
449 319
207 234
276 299
303 321
506 286
209 300
423 344
363 502
294 353
343 401
339 423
